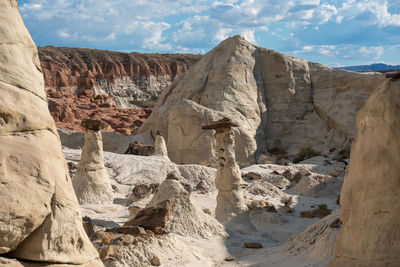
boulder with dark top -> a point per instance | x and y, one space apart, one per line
155 216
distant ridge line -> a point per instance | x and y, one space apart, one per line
377 67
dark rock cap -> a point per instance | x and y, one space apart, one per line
225 123
95 125
172 176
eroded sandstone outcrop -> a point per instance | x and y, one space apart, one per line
273 97
91 182
40 218
370 195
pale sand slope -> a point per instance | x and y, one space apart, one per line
321 186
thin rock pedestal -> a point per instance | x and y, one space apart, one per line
228 180
91 181
160 148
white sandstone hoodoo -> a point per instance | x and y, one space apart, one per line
40 219
228 179
91 181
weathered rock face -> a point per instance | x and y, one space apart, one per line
370 195
131 79
270 95
40 217
68 110
91 182
118 88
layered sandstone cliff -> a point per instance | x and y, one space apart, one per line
118 88
131 79
273 97
68 110
40 219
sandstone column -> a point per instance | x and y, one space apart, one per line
370 196
91 181
160 148
228 179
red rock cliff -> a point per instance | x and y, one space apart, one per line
131 79
107 85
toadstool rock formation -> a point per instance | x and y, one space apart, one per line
91 181
228 179
370 196
40 219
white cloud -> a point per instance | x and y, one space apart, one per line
148 34
249 35
66 35
325 13
111 36
339 19
374 12
33 6
326 50
196 29
306 27
349 52
374 52
222 34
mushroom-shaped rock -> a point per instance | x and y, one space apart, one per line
91 181
228 179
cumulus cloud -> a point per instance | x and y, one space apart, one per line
222 34
374 52
347 53
64 34
372 12
328 29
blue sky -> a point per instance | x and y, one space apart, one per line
335 33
